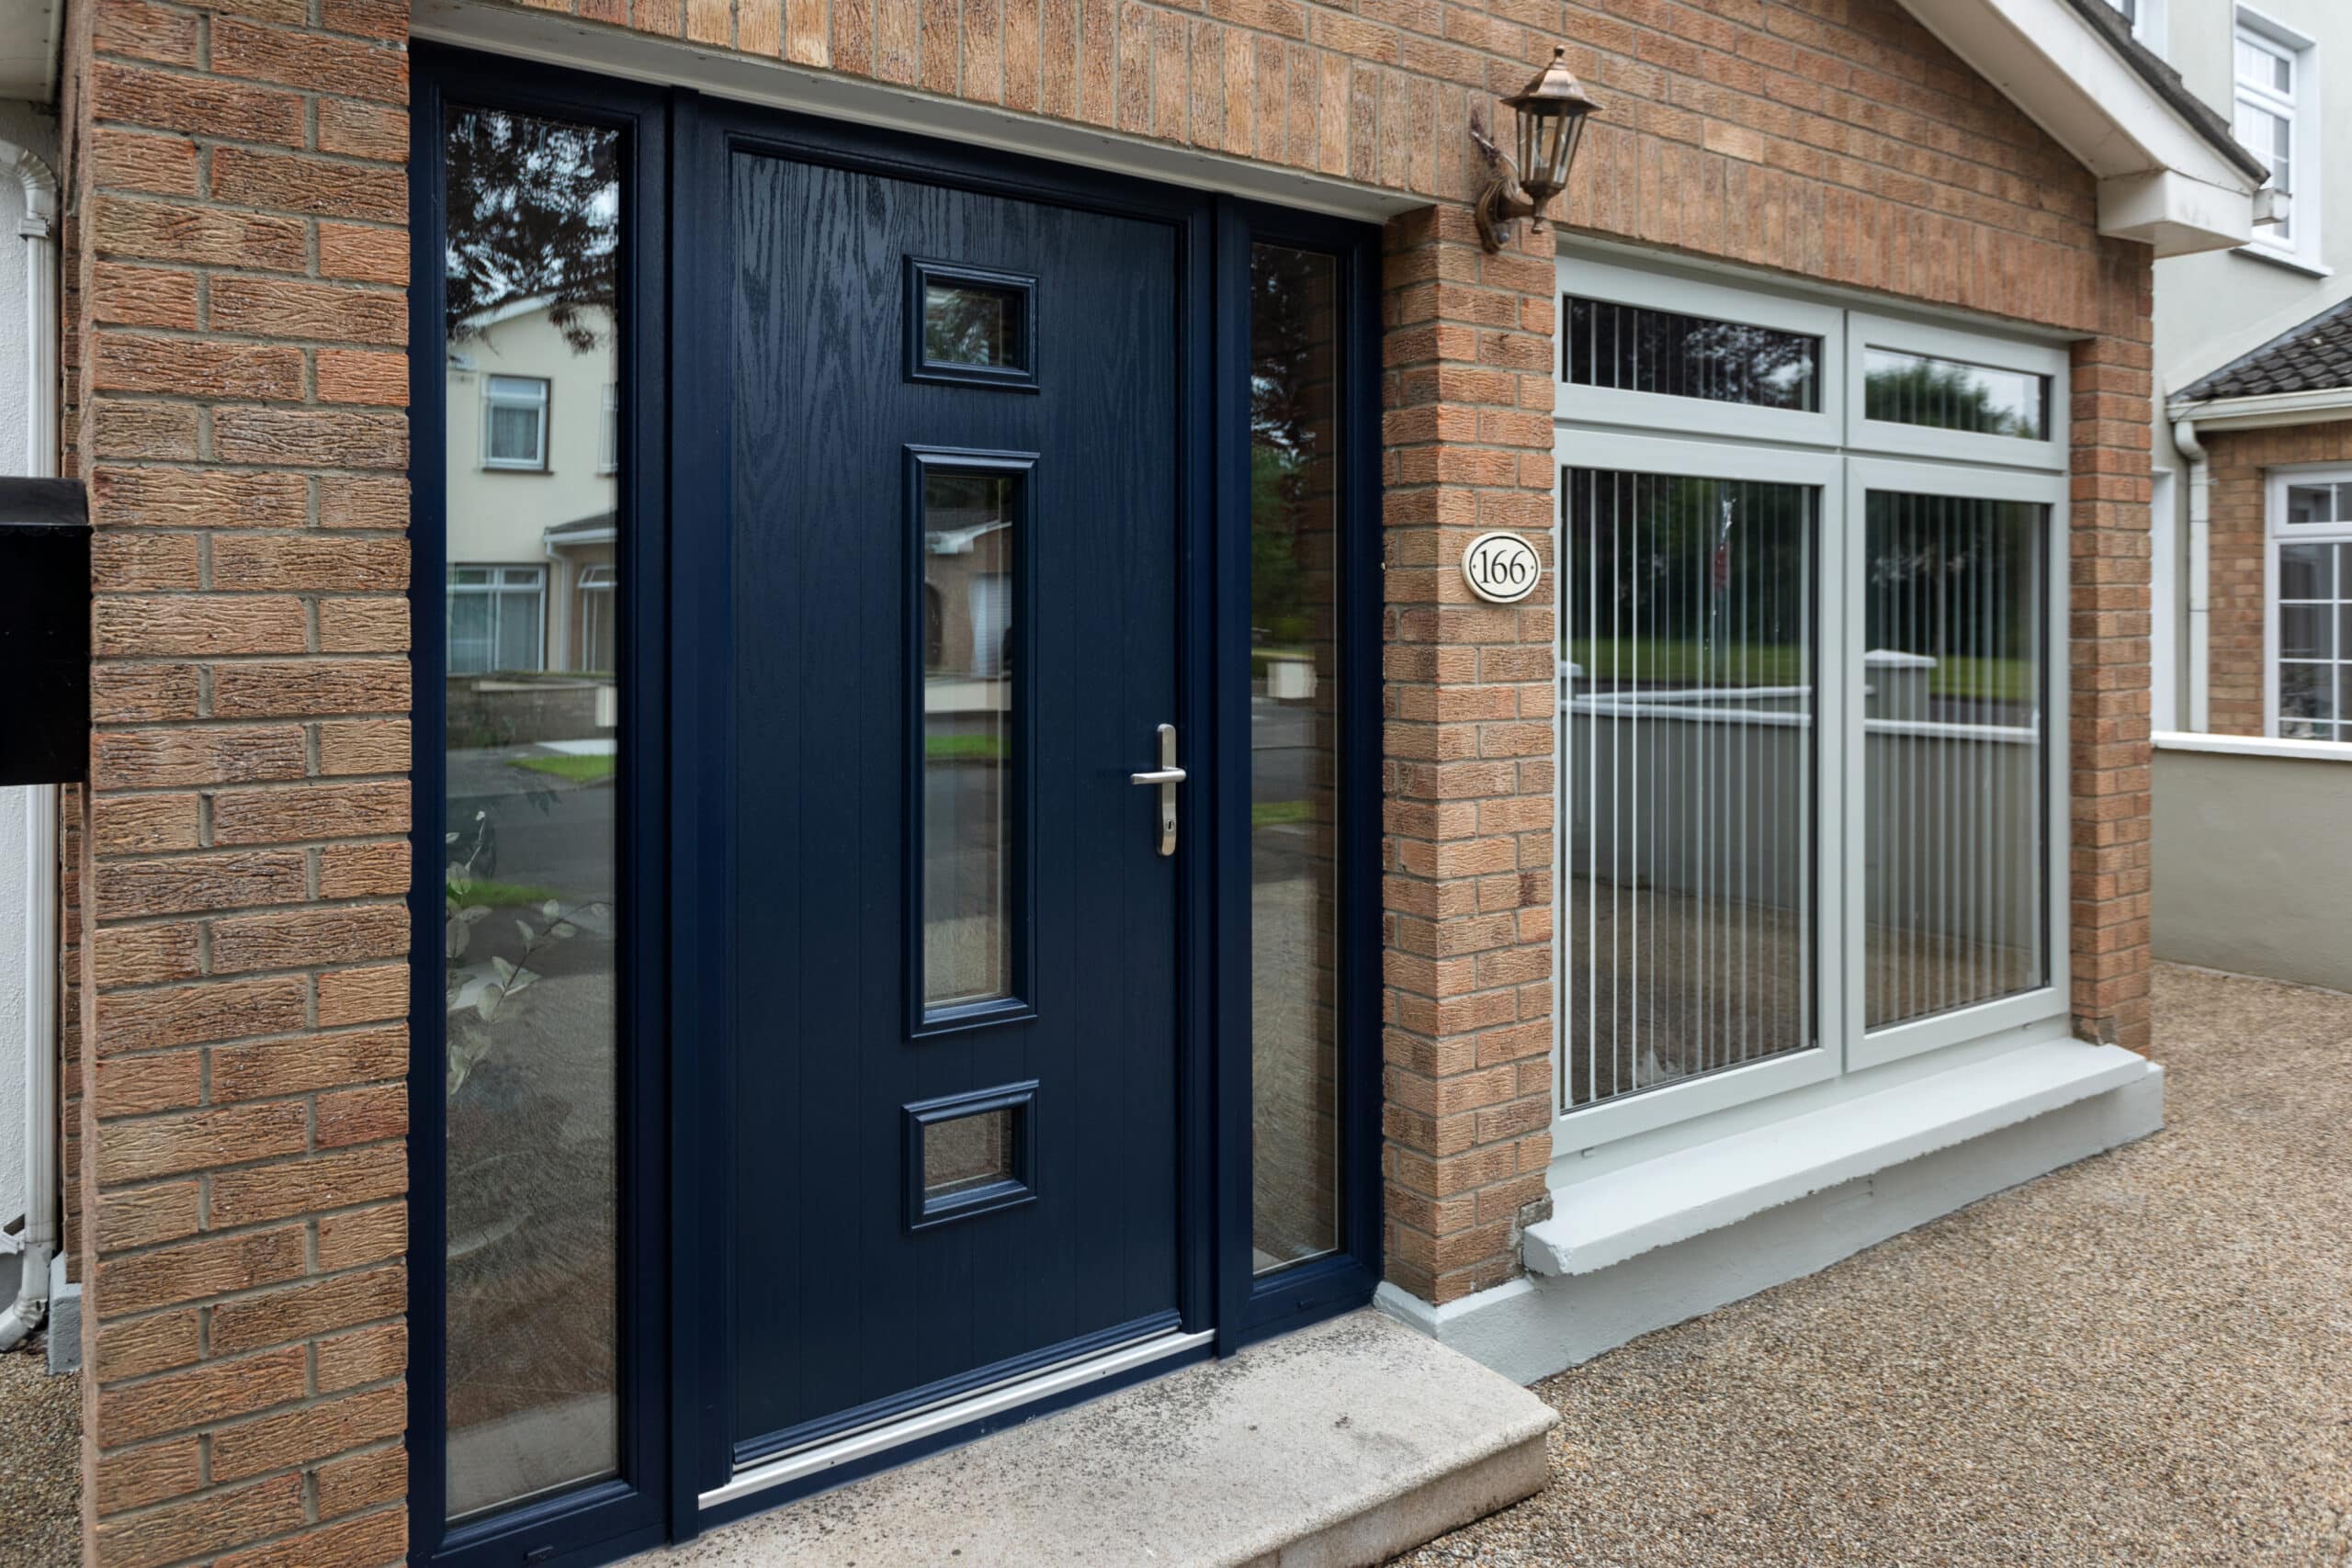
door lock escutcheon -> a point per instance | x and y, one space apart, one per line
1168 775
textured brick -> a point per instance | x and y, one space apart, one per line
212 1391
295 1186
201 1525
291 940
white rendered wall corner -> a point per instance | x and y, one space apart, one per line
35 130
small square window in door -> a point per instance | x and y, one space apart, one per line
970 1154
971 326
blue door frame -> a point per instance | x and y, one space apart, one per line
675 1190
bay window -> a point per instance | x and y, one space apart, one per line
1810 727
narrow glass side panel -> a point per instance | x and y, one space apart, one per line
534 215
1955 764
1294 738
1630 348
1947 394
1688 760
969 541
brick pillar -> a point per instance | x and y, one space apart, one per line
1466 855
240 249
2108 655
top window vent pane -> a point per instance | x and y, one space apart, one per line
1948 394
1628 348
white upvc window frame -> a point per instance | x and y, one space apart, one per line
1868 1047
506 577
2146 18
2277 531
1688 296
493 398
608 435
2300 247
1645 433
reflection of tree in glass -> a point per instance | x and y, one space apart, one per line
534 213
968 326
1642 350
1289 439
1940 394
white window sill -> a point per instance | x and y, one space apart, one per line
2290 260
2255 746
1613 1215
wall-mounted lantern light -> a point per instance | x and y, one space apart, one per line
1551 110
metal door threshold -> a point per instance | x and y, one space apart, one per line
977 1405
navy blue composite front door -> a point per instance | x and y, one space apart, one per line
951 1053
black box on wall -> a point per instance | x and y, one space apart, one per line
44 632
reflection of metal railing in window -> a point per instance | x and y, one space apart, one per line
1951 826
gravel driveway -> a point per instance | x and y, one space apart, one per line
2143 1359
41 1462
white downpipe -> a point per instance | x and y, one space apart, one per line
31 1308
2200 574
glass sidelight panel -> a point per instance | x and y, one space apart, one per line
1955 770
970 533
1689 756
530 760
1293 740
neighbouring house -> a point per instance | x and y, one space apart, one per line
813 724
2253 429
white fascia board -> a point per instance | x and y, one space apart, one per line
2068 78
2266 412
29 37
2174 212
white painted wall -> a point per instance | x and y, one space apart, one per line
34 130
2213 307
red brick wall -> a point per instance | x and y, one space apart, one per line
2240 560
236 336
237 212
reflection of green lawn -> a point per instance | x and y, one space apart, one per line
963 747
498 895
579 770
1778 664
1271 813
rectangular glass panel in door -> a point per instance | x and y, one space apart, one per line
970 542
534 213
1294 749
1688 759
1955 768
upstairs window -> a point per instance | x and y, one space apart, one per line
2276 117
515 422
2146 18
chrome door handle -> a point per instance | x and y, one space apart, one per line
1168 775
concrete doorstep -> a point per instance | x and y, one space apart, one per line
1340 1445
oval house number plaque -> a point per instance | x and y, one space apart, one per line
1502 568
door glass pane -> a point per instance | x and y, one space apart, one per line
1636 350
1945 394
1688 758
970 536
1293 745
534 221
972 324
1955 768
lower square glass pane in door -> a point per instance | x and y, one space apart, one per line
1955 769
531 754
1688 758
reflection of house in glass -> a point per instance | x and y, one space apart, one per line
533 466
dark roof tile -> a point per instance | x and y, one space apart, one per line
2313 357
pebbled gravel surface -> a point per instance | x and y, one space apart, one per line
2143 1359
40 1462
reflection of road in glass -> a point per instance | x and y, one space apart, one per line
531 1202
